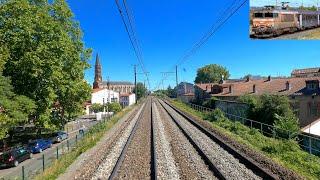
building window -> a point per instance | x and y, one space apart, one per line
312 84
314 109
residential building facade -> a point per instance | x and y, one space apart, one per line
303 92
104 96
127 99
185 88
308 72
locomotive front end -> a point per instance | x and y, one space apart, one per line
263 23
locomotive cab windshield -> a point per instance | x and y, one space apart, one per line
265 15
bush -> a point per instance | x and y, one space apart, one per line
252 101
215 115
114 107
286 126
273 110
210 103
96 108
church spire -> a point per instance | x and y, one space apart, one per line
97 73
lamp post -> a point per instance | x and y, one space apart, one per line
108 85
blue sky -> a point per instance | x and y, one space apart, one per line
167 29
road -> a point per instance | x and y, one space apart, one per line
50 154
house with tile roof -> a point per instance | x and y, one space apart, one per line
304 93
308 72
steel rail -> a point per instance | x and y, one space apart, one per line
125 148
247 161
205 158
153 148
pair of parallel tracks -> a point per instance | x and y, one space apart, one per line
120 161
249 163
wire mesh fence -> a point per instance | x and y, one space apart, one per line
308 142
43 160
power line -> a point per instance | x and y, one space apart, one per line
224 17
214 28
132 35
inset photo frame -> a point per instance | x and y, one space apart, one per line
292 19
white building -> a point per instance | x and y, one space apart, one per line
127 99
101 96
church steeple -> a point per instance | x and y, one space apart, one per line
97 73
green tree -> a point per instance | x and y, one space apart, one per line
273 110
172 93
46 57
211 73
140 90
14 109
96 108
114 107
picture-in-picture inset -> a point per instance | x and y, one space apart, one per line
293 19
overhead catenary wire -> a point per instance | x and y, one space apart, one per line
127 20
222 19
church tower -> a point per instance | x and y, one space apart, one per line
97 73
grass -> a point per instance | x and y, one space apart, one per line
285 152
90 139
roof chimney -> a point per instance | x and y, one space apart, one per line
248 78
269 78
254 88
231 89
288 86
221 80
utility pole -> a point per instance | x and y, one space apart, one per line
176 76
135 82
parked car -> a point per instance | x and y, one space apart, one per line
14 156
59 137
38 145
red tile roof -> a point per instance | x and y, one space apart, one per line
263 86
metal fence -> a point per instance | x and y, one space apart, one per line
42 161
307 142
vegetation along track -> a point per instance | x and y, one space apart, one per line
223 160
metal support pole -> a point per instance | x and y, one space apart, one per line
177 75
23 173
76 138
42 162
68 145
135 82
57 152
310 146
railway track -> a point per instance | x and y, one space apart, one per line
252 171
161 142
138 161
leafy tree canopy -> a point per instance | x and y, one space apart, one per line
141 90
45 57
211 73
